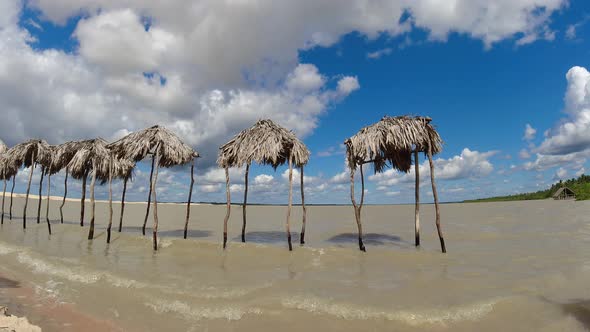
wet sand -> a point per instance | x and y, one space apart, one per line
516 266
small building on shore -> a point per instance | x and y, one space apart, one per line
564 193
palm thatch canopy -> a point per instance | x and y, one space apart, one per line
8 168
27 153
3 147
392 140
138 145
265 143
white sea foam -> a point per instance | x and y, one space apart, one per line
414 318
198 312
6 249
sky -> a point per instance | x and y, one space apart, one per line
506 83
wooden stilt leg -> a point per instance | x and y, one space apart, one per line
40 195
28 192
302 239
190 195
92 203
357 214
435 194
147 211
417 208
155 230
63 202
290 202
123 203
245 203
228 212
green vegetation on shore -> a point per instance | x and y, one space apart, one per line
581 186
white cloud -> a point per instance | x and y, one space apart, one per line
581 171
263 179
305 77
560 174
469 164
379 53
529 132
524 154
570 32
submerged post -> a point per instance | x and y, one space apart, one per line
123 203
28 191
92 201
83 199
3 195
147 211
417 210
435 194
63 202
290 202
190 195
155 230
357 214
302 239
40 194
245 203
110 199
48 194
11 194
228 212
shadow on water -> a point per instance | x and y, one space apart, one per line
370 238
579 310
8 283
268 237
180 233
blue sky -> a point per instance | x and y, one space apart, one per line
102 69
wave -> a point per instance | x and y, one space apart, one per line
197 312
415 318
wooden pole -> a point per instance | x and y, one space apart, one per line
147 211
28 191
3 195
245 203
48 194
302 239
83 199
157 163
92 202
228 212
63 202
11 194
357 214
290 202
417 209
110 199
40 194
435 194
123 203
190 195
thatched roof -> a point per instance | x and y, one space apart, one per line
66 151
3 147
265 143
392 140
7 167
567 190
24 154
138 145
94 153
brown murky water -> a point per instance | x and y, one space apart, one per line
517 266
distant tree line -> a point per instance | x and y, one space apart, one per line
580 185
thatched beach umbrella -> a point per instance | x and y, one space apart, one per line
49 168
63 155
7 170
92 158
265 143
393 141
167 150
28 154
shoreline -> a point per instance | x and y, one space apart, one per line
28 312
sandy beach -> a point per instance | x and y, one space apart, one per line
517 266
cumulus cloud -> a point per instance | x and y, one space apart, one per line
379 53
469 164
560 174
529 132
569 141
524 154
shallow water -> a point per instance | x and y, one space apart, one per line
517 266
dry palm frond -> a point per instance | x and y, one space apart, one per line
7 168
3 147
392 141
27 153
265 143
138 145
